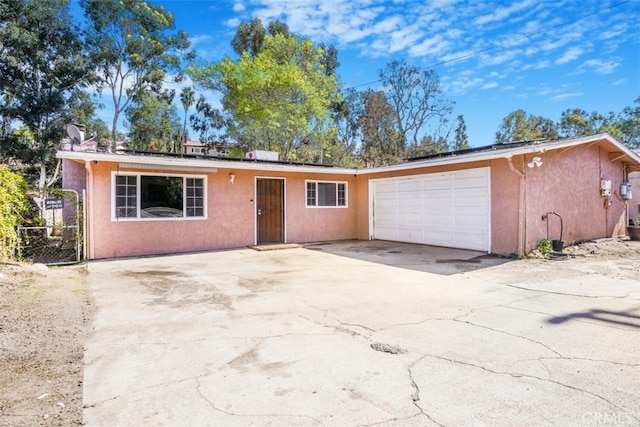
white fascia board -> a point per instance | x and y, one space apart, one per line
213 165
505 153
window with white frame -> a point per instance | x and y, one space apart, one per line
326 194
138 196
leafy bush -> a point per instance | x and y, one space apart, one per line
14 206
545 246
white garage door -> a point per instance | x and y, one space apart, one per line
450 209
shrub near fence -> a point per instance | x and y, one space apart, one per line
14 206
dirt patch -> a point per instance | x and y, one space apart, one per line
44 321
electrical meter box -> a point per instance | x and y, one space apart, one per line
605 187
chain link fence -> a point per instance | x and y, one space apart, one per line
59 241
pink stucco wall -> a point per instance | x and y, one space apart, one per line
230 221
569 183
73 175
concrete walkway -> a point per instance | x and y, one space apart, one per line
329 335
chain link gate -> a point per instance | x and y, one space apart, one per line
59 241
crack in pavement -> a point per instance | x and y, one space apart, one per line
416 396
514 375
563 293
233 414
506 333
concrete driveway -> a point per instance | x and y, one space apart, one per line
361 333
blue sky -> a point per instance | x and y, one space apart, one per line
493 57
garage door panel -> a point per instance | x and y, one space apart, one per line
445 209
386 188
410 235
470 203
411 220
441 181
470 239
438 238
409 186
470 182
411 201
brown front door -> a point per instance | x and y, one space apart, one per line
270 210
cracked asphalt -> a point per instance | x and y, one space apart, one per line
362 334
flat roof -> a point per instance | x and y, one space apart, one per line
178 161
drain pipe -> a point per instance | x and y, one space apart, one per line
521 212
89 251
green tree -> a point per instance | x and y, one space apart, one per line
577 122
249 38
629 125
416 98
433 145
280 99
381 143
208 122
346 120
132 47
153 121
461 139
520 126
41 69
187 98
14 206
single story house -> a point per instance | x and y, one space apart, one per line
502 199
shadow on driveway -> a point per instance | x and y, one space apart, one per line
431 259
622 318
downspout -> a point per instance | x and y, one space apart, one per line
89 208
521 210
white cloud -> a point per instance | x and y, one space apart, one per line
503 13
434 46
239 7
619 82
571 54
598 66
614 31
199 39
490 85
563 96
233 22
539 65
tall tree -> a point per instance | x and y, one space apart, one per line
381 143
416 98
346 118
249 38
132 48
520 126
209 122
153 121
577 122
41 69
280 99
433 145
629 125
461 139
187 98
